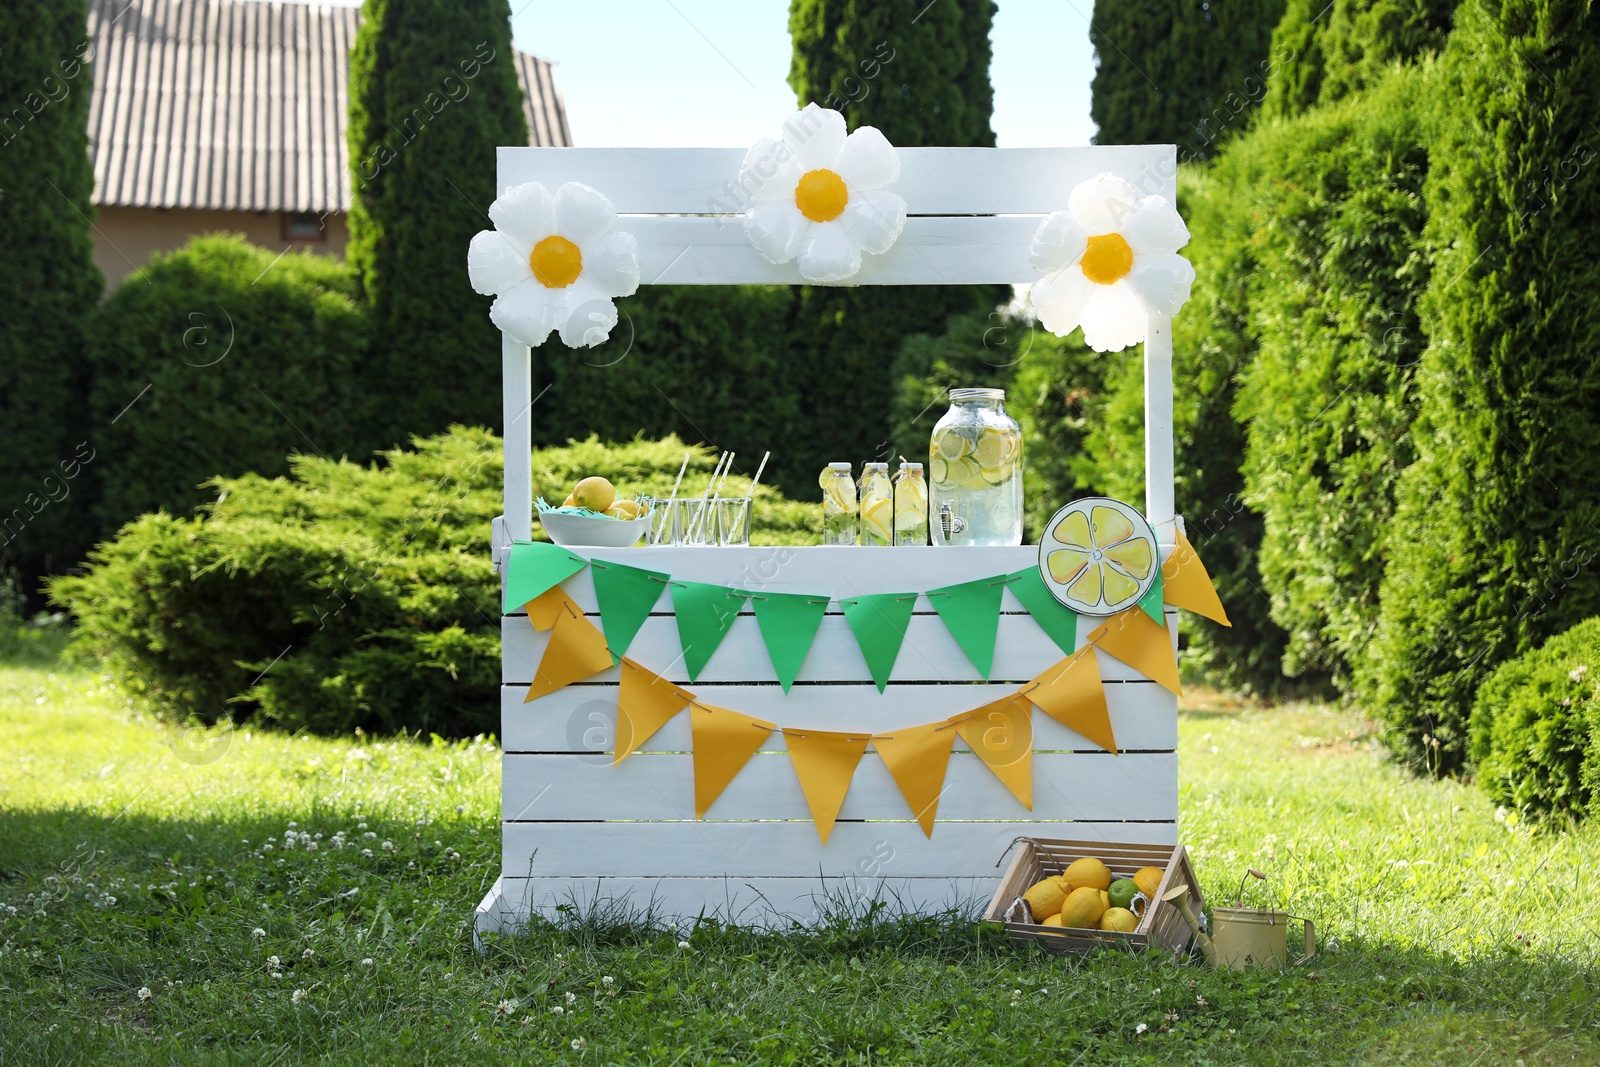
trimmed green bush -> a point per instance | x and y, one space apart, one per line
433 92
1176 72
48 286
1059 397
921 75
1498 523
1325 51
344 596
218 359
1536 727
1340 272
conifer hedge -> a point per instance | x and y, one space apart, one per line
1324 52
48 286
1496 543
1328 400
433 92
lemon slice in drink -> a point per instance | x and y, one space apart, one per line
1098 556
951 445
993 448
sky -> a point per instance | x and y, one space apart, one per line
712 73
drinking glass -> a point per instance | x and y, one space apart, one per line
733 521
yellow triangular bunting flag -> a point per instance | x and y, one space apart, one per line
724 741
1187 584
645 703
1142 643
918 757
1072 694
544 609
825 762
576 650
1002 736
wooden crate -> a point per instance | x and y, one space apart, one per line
1038 858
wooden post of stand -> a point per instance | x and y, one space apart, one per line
1158 478
517 369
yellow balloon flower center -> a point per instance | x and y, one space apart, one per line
556 262
821 195
1107 259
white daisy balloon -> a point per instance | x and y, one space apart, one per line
554 263
1108 261
821 197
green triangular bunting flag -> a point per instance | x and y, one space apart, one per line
1054 617
534 568
625 595
1151 601
789 624
971 612
704 614
879 623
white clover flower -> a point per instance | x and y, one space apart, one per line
145 993
299 995
1141 1028
553 263
683 944
308 953
821 197
506 1007
367 962
558 1010
579 1044
273 963
1108 261
572 998
607 980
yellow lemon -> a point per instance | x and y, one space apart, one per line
1121 920
1052 920
596 494
1083 907
569 502
623 509
1045 898
996 475
909 520
939 470
1088 872
1148 879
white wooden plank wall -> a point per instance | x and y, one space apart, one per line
578 830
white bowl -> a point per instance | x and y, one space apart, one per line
593 531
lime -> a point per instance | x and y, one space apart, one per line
1122 892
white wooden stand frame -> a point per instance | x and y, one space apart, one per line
578 831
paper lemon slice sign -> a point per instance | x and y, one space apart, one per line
1098 556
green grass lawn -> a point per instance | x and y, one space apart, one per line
152 909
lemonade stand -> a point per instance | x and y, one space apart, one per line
762 733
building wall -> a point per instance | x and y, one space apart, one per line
126 237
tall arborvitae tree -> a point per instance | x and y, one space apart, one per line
433 92
1184 72
1324 52
919 73
48 284
1496 541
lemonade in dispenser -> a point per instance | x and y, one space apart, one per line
975 464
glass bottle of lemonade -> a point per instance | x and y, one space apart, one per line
975 463
910 505
877 505
838 505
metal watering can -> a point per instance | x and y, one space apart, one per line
1243 937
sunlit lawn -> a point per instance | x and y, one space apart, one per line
153 923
